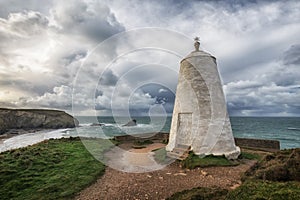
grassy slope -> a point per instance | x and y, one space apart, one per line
258 189
193 161
270 167
54 169
200 193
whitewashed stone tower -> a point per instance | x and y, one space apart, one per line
200 119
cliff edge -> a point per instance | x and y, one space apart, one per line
35 118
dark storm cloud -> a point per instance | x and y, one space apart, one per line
101 107
274 93
98 93
287 77
79 54
108 78
94 20
162 94
292 56
5 104
288 74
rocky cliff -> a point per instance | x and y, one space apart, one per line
34 118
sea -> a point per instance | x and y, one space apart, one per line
284 129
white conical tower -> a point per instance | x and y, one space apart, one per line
200 119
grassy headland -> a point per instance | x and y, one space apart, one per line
53 169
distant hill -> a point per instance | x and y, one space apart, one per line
34 118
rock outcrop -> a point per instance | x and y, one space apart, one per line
131 123
34 118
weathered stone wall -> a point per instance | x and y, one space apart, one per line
259 144
154 136
34 118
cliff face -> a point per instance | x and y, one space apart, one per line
34 118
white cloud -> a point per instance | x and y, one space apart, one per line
60 97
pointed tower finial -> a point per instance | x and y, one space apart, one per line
197 43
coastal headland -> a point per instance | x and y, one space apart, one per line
26 119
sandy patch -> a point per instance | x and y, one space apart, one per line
133 160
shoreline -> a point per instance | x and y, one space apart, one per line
19 138
16 132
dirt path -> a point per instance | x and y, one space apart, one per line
162 183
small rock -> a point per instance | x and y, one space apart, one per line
168 173
161 178
149 176
131 123
234 186
204 173
180 173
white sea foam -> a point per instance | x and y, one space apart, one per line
27 139
86 124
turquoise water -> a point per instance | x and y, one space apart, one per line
284 129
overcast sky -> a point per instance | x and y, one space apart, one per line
51 51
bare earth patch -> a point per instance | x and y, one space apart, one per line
162 183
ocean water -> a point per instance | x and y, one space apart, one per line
284 129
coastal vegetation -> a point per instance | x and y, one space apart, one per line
53 169
200 193
258 189
275 176
193 161
61 168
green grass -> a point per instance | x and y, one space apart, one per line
193 161
250 156
160 156
253 190
53 169
250 190
200 193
